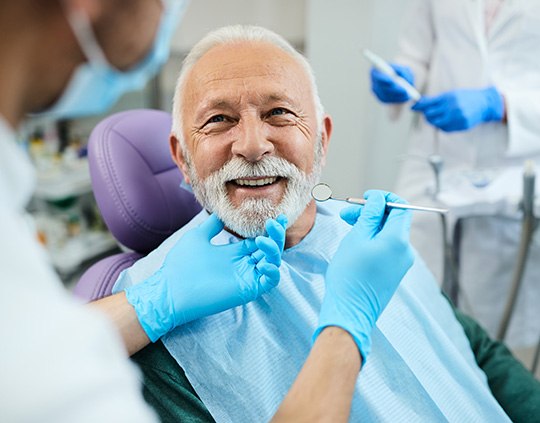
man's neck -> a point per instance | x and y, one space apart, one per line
296 233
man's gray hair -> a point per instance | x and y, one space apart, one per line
230 35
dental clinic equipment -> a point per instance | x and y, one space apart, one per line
436 163
383 66
323 192
528 226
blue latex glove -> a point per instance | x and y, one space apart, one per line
367 268
460 110
387 90
198 279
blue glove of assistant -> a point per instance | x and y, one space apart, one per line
367 268
387 90
198 279
460 110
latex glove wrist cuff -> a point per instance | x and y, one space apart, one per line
495 112
357 323
147 300
363 342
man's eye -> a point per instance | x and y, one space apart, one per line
216 119
278 111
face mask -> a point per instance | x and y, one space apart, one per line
96 85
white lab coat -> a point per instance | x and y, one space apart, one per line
446 45
59 361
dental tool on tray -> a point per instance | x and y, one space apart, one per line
382 66
323 192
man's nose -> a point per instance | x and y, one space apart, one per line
252 143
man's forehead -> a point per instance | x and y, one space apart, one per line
217 100
244 63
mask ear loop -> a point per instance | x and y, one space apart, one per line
82 30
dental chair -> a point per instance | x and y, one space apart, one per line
137 189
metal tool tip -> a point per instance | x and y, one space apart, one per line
321 192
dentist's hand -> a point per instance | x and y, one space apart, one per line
387 90
367 267
198 278
460 110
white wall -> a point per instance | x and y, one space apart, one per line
365 147
286 17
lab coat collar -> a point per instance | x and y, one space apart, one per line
475 15
475 10
17 174
508 11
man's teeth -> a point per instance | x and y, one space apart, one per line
255 182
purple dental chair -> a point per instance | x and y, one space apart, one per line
137 189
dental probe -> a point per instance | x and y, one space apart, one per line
323 192
382 66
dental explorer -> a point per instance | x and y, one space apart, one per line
323 192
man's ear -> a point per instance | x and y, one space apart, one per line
327 126
178 157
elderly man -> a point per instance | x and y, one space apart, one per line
250 136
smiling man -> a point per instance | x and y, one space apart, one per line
250 136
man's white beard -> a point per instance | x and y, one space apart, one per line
249 218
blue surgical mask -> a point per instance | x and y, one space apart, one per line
96 85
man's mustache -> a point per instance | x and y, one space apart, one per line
238 168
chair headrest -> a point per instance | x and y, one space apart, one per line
135 181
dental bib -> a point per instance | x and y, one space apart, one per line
242 362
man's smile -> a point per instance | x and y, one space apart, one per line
270 187
255 181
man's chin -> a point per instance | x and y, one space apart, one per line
250 234
246 231
249 219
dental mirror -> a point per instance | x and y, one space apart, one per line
322 192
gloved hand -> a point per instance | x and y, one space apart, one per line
198 278
367 268
387 90
460 110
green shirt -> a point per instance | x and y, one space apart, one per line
166 387
168 391
512 385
